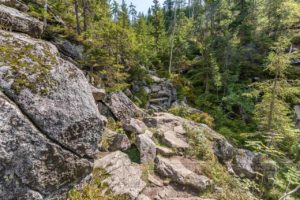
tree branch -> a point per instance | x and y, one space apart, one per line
290 193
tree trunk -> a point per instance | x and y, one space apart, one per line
46 13
272 104
77 17
85 15
172 38
290 193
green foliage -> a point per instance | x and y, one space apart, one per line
114 125
141 98
134 154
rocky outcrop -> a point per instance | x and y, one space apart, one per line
121 107
18 4
146 147
223 150
52 92
173 168
68 48
171 139
125 177
244 163
14 20
161 92
32 166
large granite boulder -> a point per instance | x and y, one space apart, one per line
125 176
32 165
173 168
14 20
52 92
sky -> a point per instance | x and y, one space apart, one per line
141 5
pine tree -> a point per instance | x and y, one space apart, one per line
272 113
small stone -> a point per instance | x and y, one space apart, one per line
155 181
164 151
149 133
98 94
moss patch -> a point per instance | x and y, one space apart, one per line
29 69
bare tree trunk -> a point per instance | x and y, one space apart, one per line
46 13
77 17
272 104
85 15
172 38
290 193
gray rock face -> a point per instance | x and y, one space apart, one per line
69 49
146 147
164 151
242 164
32 166
98 94
52 92
171 139
122 107
173 168
223 150
125 177
135 126
162 93
120 142
14 20
113 141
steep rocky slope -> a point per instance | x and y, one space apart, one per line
50 130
